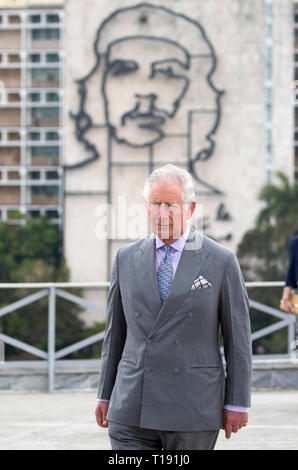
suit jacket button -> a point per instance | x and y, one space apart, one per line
190 314
137 314
176 370
147 369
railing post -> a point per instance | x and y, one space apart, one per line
291 338
51 339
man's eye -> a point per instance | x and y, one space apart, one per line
171 207
120 67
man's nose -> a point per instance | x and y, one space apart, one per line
145 102
163 211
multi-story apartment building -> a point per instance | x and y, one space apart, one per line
31 110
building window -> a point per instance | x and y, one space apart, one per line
52 57
46 74
45 34
52 214
12 19
52 175
34 213
34 96
53 18
35 18
52 136
45 151
51 113
35 58
34 136
34 175
52 97
47 190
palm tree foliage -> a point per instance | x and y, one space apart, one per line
263 252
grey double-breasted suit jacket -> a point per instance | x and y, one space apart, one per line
161 366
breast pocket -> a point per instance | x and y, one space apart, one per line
202 296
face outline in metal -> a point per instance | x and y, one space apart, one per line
156 85
145 14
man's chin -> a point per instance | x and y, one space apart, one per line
165 232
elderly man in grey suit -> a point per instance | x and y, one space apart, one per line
162 384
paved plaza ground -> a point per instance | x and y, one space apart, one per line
65 420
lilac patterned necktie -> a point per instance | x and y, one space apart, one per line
165 274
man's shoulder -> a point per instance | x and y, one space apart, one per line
209 245
217 249
127 250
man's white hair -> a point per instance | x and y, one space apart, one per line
172 173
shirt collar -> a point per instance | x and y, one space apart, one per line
178 244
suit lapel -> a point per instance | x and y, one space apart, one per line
190 264
145 273
191 261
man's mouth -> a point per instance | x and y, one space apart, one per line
145 118
148 120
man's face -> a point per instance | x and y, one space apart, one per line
145 80
167 212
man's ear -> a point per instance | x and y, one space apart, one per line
192 207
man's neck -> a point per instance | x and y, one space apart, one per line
169 241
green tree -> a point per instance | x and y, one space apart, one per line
281 208
32 253
263 252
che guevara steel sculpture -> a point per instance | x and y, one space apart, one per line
153 68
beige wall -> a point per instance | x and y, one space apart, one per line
9 195
45 45
44 200
10 77
48 122
40 161
9 156
45 83
10 39
30 3
10 117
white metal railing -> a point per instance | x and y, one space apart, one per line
54 289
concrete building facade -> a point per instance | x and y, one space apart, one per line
31 103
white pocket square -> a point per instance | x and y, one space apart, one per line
200 283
